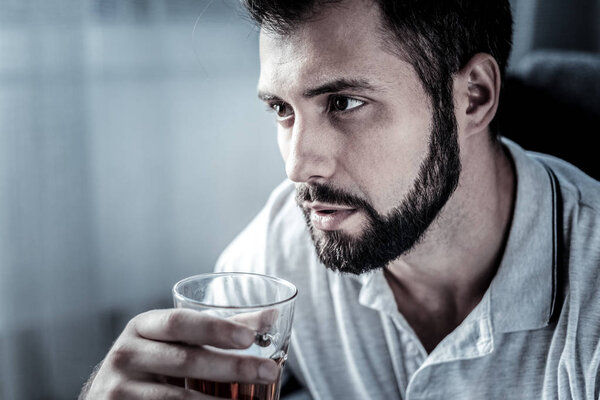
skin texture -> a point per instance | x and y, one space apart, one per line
369 141
373 149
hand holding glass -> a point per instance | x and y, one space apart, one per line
263 303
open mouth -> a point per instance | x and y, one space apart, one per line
329 212
328 208
329 219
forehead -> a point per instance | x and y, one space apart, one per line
344 40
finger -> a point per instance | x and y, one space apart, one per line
260 321
154 391
193 327
177 360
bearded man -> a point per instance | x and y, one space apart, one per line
434 259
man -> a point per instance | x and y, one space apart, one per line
449 263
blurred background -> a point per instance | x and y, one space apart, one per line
132 150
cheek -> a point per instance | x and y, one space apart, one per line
388 154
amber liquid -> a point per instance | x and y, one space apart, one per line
238 391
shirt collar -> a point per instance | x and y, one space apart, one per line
522 292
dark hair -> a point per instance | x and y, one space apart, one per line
437 37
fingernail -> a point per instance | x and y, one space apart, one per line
268 371
243 337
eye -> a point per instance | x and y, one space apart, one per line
282 110
343 103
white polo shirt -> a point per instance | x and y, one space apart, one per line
534 335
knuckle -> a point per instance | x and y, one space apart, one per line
120 356
183 358
172 322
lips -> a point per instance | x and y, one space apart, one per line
329 217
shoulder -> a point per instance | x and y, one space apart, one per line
581 248
577 188
581 221
580 213
273 234
580 203
579 208
579 275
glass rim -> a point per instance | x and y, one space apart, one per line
183 281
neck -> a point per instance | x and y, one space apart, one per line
445 276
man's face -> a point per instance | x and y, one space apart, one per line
373 165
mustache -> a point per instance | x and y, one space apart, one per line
327 194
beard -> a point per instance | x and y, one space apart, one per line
385 238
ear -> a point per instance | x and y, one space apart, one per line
476 91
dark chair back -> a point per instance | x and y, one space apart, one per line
551 104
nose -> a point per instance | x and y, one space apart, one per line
309 152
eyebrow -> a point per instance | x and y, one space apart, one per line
335 86
339 85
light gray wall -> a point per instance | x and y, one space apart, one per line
131 152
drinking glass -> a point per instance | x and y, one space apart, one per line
263 303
